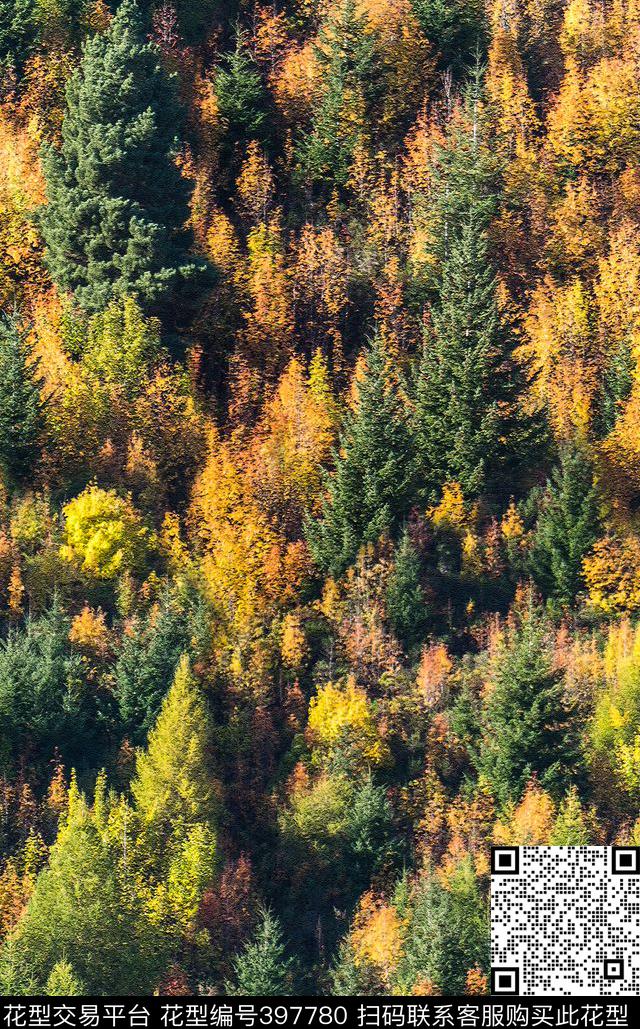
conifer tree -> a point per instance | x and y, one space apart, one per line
114 224
45 701
567 527
171 788
241 94
345 54
18 32
530 727
21 405
469 421
262 969
571 828
146 666
371 489
406 606
62 982
457 28
79 909
447 932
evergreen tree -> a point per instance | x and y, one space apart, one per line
240 94
80 909
45 700
371 489
262 969
530 727
350 976
196 20
345 54
567 527
406 606
18 32
469 419
458 29
447 932
62 982
21 405
146 665
469 422
572 828
117 205
616 387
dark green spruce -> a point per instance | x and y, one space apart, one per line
117 205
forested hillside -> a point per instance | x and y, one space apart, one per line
319 481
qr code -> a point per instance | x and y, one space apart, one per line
565 921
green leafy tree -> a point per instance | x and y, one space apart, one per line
114 224
122 346
370 490
172 786
530 727
21 404
568 525
262 968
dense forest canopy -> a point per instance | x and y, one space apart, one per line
319 481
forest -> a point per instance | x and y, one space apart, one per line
319 481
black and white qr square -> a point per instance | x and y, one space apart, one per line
565 921
505 860
505 980
625 860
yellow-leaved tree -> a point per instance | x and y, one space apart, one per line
342 718
175 806
103 534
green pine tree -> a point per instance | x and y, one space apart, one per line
262 968
371 489
572 827
406 607
447 932
470 426
63 982
345 53
469 420
18 32
146 665
195 20
567 527
46 703
616 387
241 94
458 29
21 405
530 727
114 224
81 909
